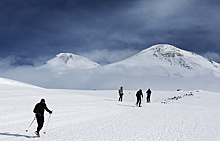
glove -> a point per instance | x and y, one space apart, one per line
50 112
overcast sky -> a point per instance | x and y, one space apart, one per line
106 31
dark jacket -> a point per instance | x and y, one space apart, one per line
120 92
148 93
139 94
40 107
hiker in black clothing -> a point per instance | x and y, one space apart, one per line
139 94
148 95
120 94
39 111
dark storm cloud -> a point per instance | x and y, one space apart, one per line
41 29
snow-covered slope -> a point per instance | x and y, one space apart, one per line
69 61
168 60
7 83
99 116
177 57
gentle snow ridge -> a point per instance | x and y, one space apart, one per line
5 83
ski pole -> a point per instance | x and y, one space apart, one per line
30 124
47 124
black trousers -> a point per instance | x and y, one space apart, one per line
120 97
138 102
40 122
148 99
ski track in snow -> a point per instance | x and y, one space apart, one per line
99 116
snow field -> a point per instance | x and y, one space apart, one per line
82 115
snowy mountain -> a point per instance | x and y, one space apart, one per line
69 61
168 60
170 55
163 59
185 59
160 67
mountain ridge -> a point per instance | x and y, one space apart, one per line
164 52
161 59
160 67
169 57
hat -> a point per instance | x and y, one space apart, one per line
42 100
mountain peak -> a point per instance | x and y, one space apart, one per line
175 56
65 61
163 46
170 58
168 50
67 57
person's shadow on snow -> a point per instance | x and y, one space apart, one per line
125 105
16 135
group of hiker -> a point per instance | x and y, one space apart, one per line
41 107
139 95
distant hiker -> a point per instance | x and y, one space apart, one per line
120 94
148 95
39 112
139 95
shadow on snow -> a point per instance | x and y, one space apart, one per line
16 135
125 105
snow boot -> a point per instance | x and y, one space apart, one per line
37 134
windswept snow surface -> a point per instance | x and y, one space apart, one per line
86 115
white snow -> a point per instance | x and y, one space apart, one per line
7 83
69 61
171 60
97 115
161 67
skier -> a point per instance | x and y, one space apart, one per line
120 94
148 95
39 112
139 94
